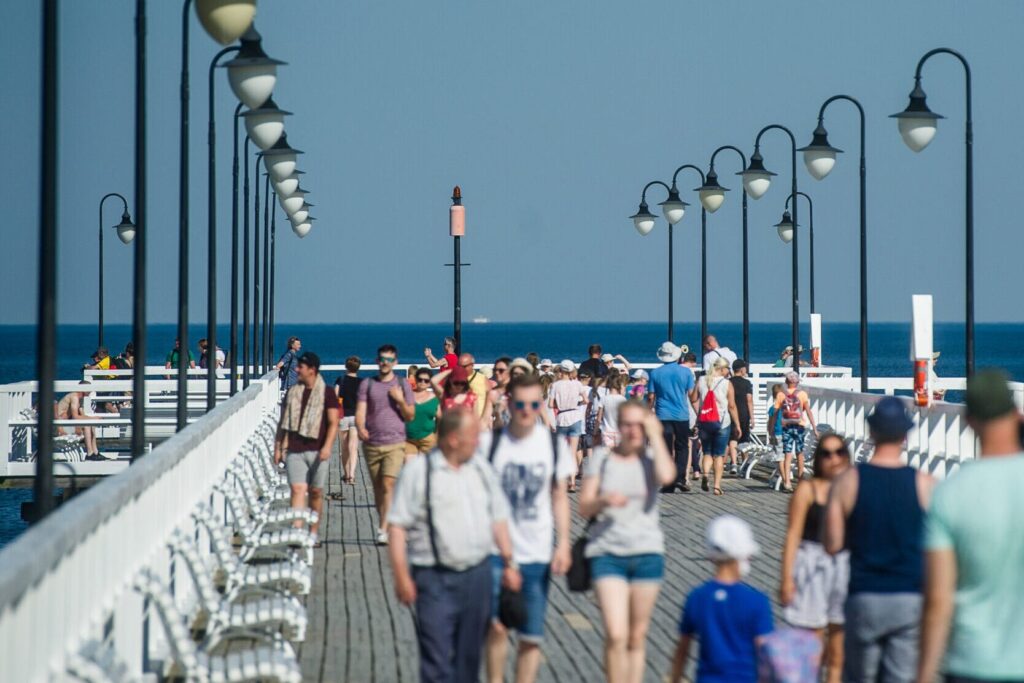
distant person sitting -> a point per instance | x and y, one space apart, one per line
933 379
204 353
713 351
174 357
71 407
100 360
785 358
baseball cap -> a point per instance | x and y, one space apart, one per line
458 374
730 538
546 361
567 365
639 374
889 420
606 358
988 396
310 359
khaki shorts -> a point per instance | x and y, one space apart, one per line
384 461
424 445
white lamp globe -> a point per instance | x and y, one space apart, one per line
252 74
819 162
756 183
225 20
711 199
785 228
643 220
125 229
302 229
674 210
288 185
292 202
280 160
301 215
917 131
266 124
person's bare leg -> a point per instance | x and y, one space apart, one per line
527 662
707 464
316 501
833 657
387 488
719 470
799 465
642 596
496 652
378 495
351 453
574 442
613 598
299 492
784 466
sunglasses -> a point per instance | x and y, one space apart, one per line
386 359
500 370
521 405
832 453
422 379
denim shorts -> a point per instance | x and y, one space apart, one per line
536 578
631 568
714 443
575 429
793 438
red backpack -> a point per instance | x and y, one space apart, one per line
792 409
709 408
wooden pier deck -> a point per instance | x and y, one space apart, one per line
359 632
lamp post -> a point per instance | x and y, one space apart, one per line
703 250
273 277
820 157
756 180
265 317
233 348
138 440
917 124
810 234
713 191
245 269
126 233
256 271
457 228
643 220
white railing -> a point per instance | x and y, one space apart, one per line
68 580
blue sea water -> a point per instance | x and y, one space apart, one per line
997 345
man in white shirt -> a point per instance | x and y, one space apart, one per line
532 466
712 352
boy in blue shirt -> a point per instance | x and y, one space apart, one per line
726 616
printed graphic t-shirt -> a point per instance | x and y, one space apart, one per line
523 468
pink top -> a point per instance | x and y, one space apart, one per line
567 394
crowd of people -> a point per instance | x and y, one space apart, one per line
885 573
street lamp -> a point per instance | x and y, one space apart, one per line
288 185
252 74
225 20
810 234
711 194
756 180
126 233
265 124
674 209
293 202
917 124
785 228
300 215
820 158
302 229
703 246
280 159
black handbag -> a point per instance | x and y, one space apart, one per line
511 609
578 576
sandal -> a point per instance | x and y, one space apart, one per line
703 483
718 492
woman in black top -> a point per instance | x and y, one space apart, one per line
347 387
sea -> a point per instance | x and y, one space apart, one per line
997 345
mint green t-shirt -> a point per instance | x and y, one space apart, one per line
977 513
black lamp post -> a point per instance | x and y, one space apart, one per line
273 278
126 233
810 234
820 157
712 190
256 271
245 269
265 319
756 180
233 348
138 440
643 220
703 253
917 125
183 201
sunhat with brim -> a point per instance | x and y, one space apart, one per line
669 352
935 356
520 363
567 366
546 361
639 374
730 538
889 419
607 358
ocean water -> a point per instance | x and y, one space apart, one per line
997 345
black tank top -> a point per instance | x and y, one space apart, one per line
813 522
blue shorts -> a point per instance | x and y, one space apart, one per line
575 429
630 568
536 579
793 439
714 442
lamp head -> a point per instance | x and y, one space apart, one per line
643 220
674 208
252 74
125 229
917 123
280 159
225 20
820 156
756 178
289 184
302 229
300 215
711 193
265 124
785 227
293 202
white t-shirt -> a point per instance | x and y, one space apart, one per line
714 354
523 468
610 417
566 395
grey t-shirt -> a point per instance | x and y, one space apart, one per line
635 528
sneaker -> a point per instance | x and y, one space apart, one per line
684 487
667 489
382 538
696 476
734 471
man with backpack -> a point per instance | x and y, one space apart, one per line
794 409
532 466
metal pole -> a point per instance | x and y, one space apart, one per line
703 278
796 271
100 293
139 313
273 277
183 191
457 311
746 285
211 238
245 270
671 325
233 349
46 340
256 272
810 223
265 353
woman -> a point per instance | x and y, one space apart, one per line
625 545
716 420
814 583
347 388
452 389
419 433
608 410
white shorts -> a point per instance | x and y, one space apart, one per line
346 423
821 581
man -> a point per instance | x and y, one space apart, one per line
671 390
532 467
450 533
174 357
385 404
71 408
100 360
974 550
689 359
286 364
445 362
477 382
594 365
793 407
744 392
712 352
306 432
876 511
933 379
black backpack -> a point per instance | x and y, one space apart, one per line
496 437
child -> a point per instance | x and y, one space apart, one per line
726 616
776 438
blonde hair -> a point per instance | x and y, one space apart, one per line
717 365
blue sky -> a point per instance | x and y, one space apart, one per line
551 116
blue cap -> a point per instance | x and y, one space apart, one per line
889 419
